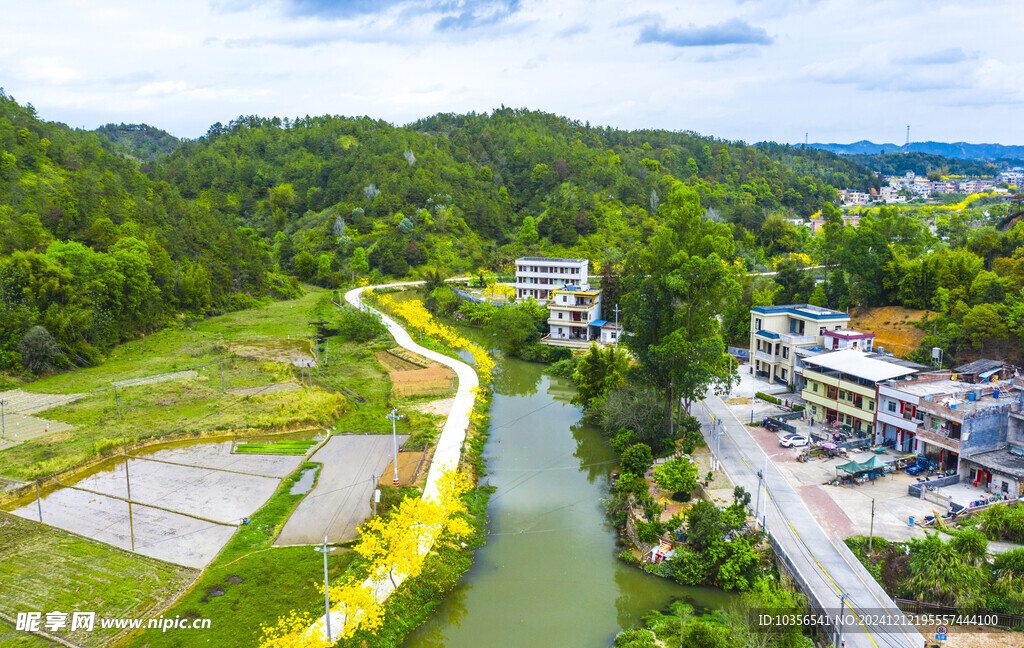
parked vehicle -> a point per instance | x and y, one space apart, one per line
793 441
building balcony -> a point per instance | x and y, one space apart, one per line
766 357
558 305
933 438
797 339
564 322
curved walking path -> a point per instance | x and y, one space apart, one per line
448 451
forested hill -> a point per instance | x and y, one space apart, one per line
93 252
955 150
465 191
138 140
897 163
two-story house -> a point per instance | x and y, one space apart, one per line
776 332
537 277
841 387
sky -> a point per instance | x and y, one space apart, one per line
751 70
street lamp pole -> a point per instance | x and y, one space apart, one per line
327 593
393 417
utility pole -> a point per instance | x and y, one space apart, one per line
393 417
327 595
3 420
118 403
39 504
617 333
839 618
871 533
718 445
762 476
128 482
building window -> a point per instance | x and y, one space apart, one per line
785 352
757 324
783 374
821 330
891 406
842 394
559 316
871 405
839 327
814 387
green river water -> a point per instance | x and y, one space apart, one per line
548 576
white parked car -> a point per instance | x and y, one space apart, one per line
793 441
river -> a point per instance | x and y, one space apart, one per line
548 575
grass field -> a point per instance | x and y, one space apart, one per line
197 403
11 638
44 570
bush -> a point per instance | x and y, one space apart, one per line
769 398
359 326
637 458
563 368
648 532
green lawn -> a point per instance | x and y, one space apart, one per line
251 582
44 569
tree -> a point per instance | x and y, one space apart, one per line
528 232
597 373
637 458
40 353
513 329
983 324
360 264
677 475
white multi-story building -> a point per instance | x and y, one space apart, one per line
776 332
574 314
538 277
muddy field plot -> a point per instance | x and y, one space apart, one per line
412 375
296 351
43 569
341 499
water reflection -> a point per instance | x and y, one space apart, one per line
517 382
548 575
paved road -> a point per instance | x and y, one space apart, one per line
828 568
449 444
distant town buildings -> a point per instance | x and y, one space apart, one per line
898 189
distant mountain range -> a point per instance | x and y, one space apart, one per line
955 150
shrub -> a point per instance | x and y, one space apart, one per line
769 398
637 458
359 326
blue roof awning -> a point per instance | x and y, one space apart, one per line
768 334
599 322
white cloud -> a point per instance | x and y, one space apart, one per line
842 71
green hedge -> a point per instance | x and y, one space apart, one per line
767 397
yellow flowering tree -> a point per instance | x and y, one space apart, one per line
396 548
418 317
